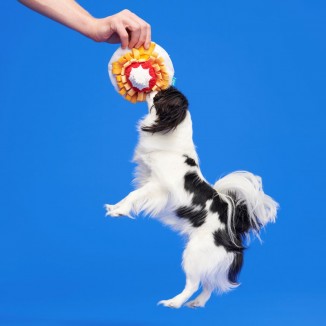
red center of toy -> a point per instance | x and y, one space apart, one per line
145 65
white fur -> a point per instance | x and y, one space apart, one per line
160 190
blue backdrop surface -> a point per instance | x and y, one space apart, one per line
67 138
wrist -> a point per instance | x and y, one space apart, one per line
100 29
89 27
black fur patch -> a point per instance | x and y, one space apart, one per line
171 109
221 207
235 267
195 216
242 223
190 161
202 191
222 238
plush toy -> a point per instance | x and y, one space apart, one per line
136 72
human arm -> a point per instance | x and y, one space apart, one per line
124 27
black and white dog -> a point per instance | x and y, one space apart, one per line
170 186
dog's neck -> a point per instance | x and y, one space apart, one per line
178 140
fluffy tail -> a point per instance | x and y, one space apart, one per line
251 209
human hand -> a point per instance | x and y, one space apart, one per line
124 27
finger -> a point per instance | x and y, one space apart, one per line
123 35
148 39
114 39
143 34
135 30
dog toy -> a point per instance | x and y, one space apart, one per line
136 72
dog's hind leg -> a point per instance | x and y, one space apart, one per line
202 298
192 284
191 260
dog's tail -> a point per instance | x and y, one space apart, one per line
250 208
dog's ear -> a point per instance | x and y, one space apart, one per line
171 109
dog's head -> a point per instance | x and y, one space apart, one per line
171 109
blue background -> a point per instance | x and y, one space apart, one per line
254 73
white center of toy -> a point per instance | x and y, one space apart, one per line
140 77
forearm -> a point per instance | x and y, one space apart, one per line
123 27
66 12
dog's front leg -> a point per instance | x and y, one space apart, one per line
145 198
122 208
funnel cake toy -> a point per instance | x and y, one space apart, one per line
136 72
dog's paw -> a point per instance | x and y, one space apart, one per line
117 211
110 210
170 303
195 304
